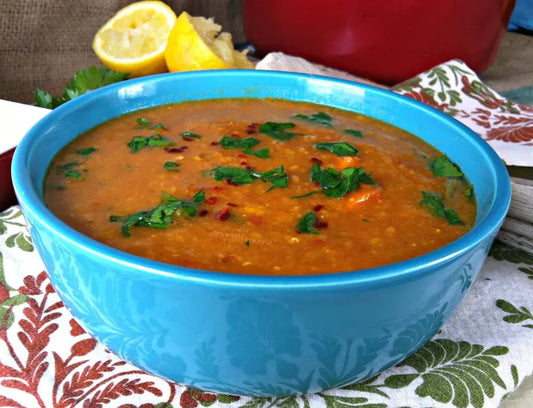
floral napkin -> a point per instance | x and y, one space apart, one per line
482 353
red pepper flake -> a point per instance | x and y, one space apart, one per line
215 143
211 200
231 182
175 149
223 214
244 163
317 207
188 139
250 168
228 258
235 135
252 128
232 204
242 155
320 224
202 213
316 160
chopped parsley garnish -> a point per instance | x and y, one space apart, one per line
70 171
278 130
304 195
143 123
236 175
171 166
338 184
320 118
233 143
338 148
433 202
468 191
190 135
247 243
263 153
83 81
444 167
162 215
156 140
246 144
353 132
87 151
305 225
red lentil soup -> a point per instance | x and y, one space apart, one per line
260 186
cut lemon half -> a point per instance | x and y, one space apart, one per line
197 43
134 39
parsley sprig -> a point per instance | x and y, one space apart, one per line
143 123
236 175
433 202
246 144
320 118
278 130
444 167
83 81
338 148
156 140
162 215
337 184
306 223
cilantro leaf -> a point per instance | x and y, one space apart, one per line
143 123
156 140
338 148
353 132
433 202
82 82
278 130
444 167
337 184
171 166
162 215
305 225
320 118
87 151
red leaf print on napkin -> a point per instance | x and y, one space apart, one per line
124 387
512 129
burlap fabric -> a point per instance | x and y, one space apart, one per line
43 42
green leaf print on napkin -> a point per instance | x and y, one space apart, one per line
456 372
502 252
20 239
515 315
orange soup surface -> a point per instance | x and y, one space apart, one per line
260 186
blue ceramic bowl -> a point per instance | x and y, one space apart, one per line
254 335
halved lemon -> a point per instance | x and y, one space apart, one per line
134 39
197 43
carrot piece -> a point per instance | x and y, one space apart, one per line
364 193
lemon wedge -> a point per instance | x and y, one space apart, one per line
134 39
197 43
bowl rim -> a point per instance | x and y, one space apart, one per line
486 228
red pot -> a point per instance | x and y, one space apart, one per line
7 195
387 41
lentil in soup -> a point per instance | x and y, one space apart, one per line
260 186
